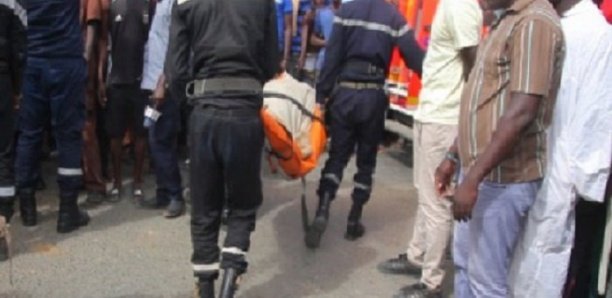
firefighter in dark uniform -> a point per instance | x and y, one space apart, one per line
12 53
53 89
235 51
357 57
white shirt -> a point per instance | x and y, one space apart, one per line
457 24
582 119
157 45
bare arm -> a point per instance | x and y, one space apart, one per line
468 57
317 41
521 111
287 40
90 39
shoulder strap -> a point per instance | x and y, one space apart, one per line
295 102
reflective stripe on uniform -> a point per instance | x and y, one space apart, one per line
362 186
17 9
206 267
332 177
7 191
70 172
372 26
234 251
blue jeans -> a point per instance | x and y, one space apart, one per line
163 142
484 246
53 89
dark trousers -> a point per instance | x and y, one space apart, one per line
584 261
357 125
53 89
7 133
226 151
163 143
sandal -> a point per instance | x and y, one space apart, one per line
114 195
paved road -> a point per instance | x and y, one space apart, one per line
130 252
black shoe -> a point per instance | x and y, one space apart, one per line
319 224
27 207
95 198
155 203
354 231
229 286
70 217
6 208
399 265
205 289
418 290
176 208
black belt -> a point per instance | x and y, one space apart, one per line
364 67
361 85
219 86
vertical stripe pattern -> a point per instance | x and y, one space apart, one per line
520 55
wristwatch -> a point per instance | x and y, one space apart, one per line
452 156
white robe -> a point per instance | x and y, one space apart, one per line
579 154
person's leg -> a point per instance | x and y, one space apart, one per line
116 125
92 169
7 122
590 219
139 102
242 147
66 79
436 140
207 193
416 246
497 221
164 151
461 249
33 116
342 147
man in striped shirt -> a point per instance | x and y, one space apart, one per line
505 108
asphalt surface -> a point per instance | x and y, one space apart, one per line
130 252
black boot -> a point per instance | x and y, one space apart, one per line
27 207
6 208
354 228
319 224
229 286
205 289
70 217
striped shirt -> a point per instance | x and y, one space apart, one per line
522 54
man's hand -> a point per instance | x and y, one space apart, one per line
444 175
102 96
159 95
16 102
465 199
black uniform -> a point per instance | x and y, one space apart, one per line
356 64
129 31
12 52
234 46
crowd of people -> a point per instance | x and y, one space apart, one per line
512 133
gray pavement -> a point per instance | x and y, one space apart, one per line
130 252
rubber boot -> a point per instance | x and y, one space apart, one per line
206 289
27 207
354 228
229 286
70 217
6 208
319 224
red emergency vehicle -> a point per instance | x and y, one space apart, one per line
403 86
